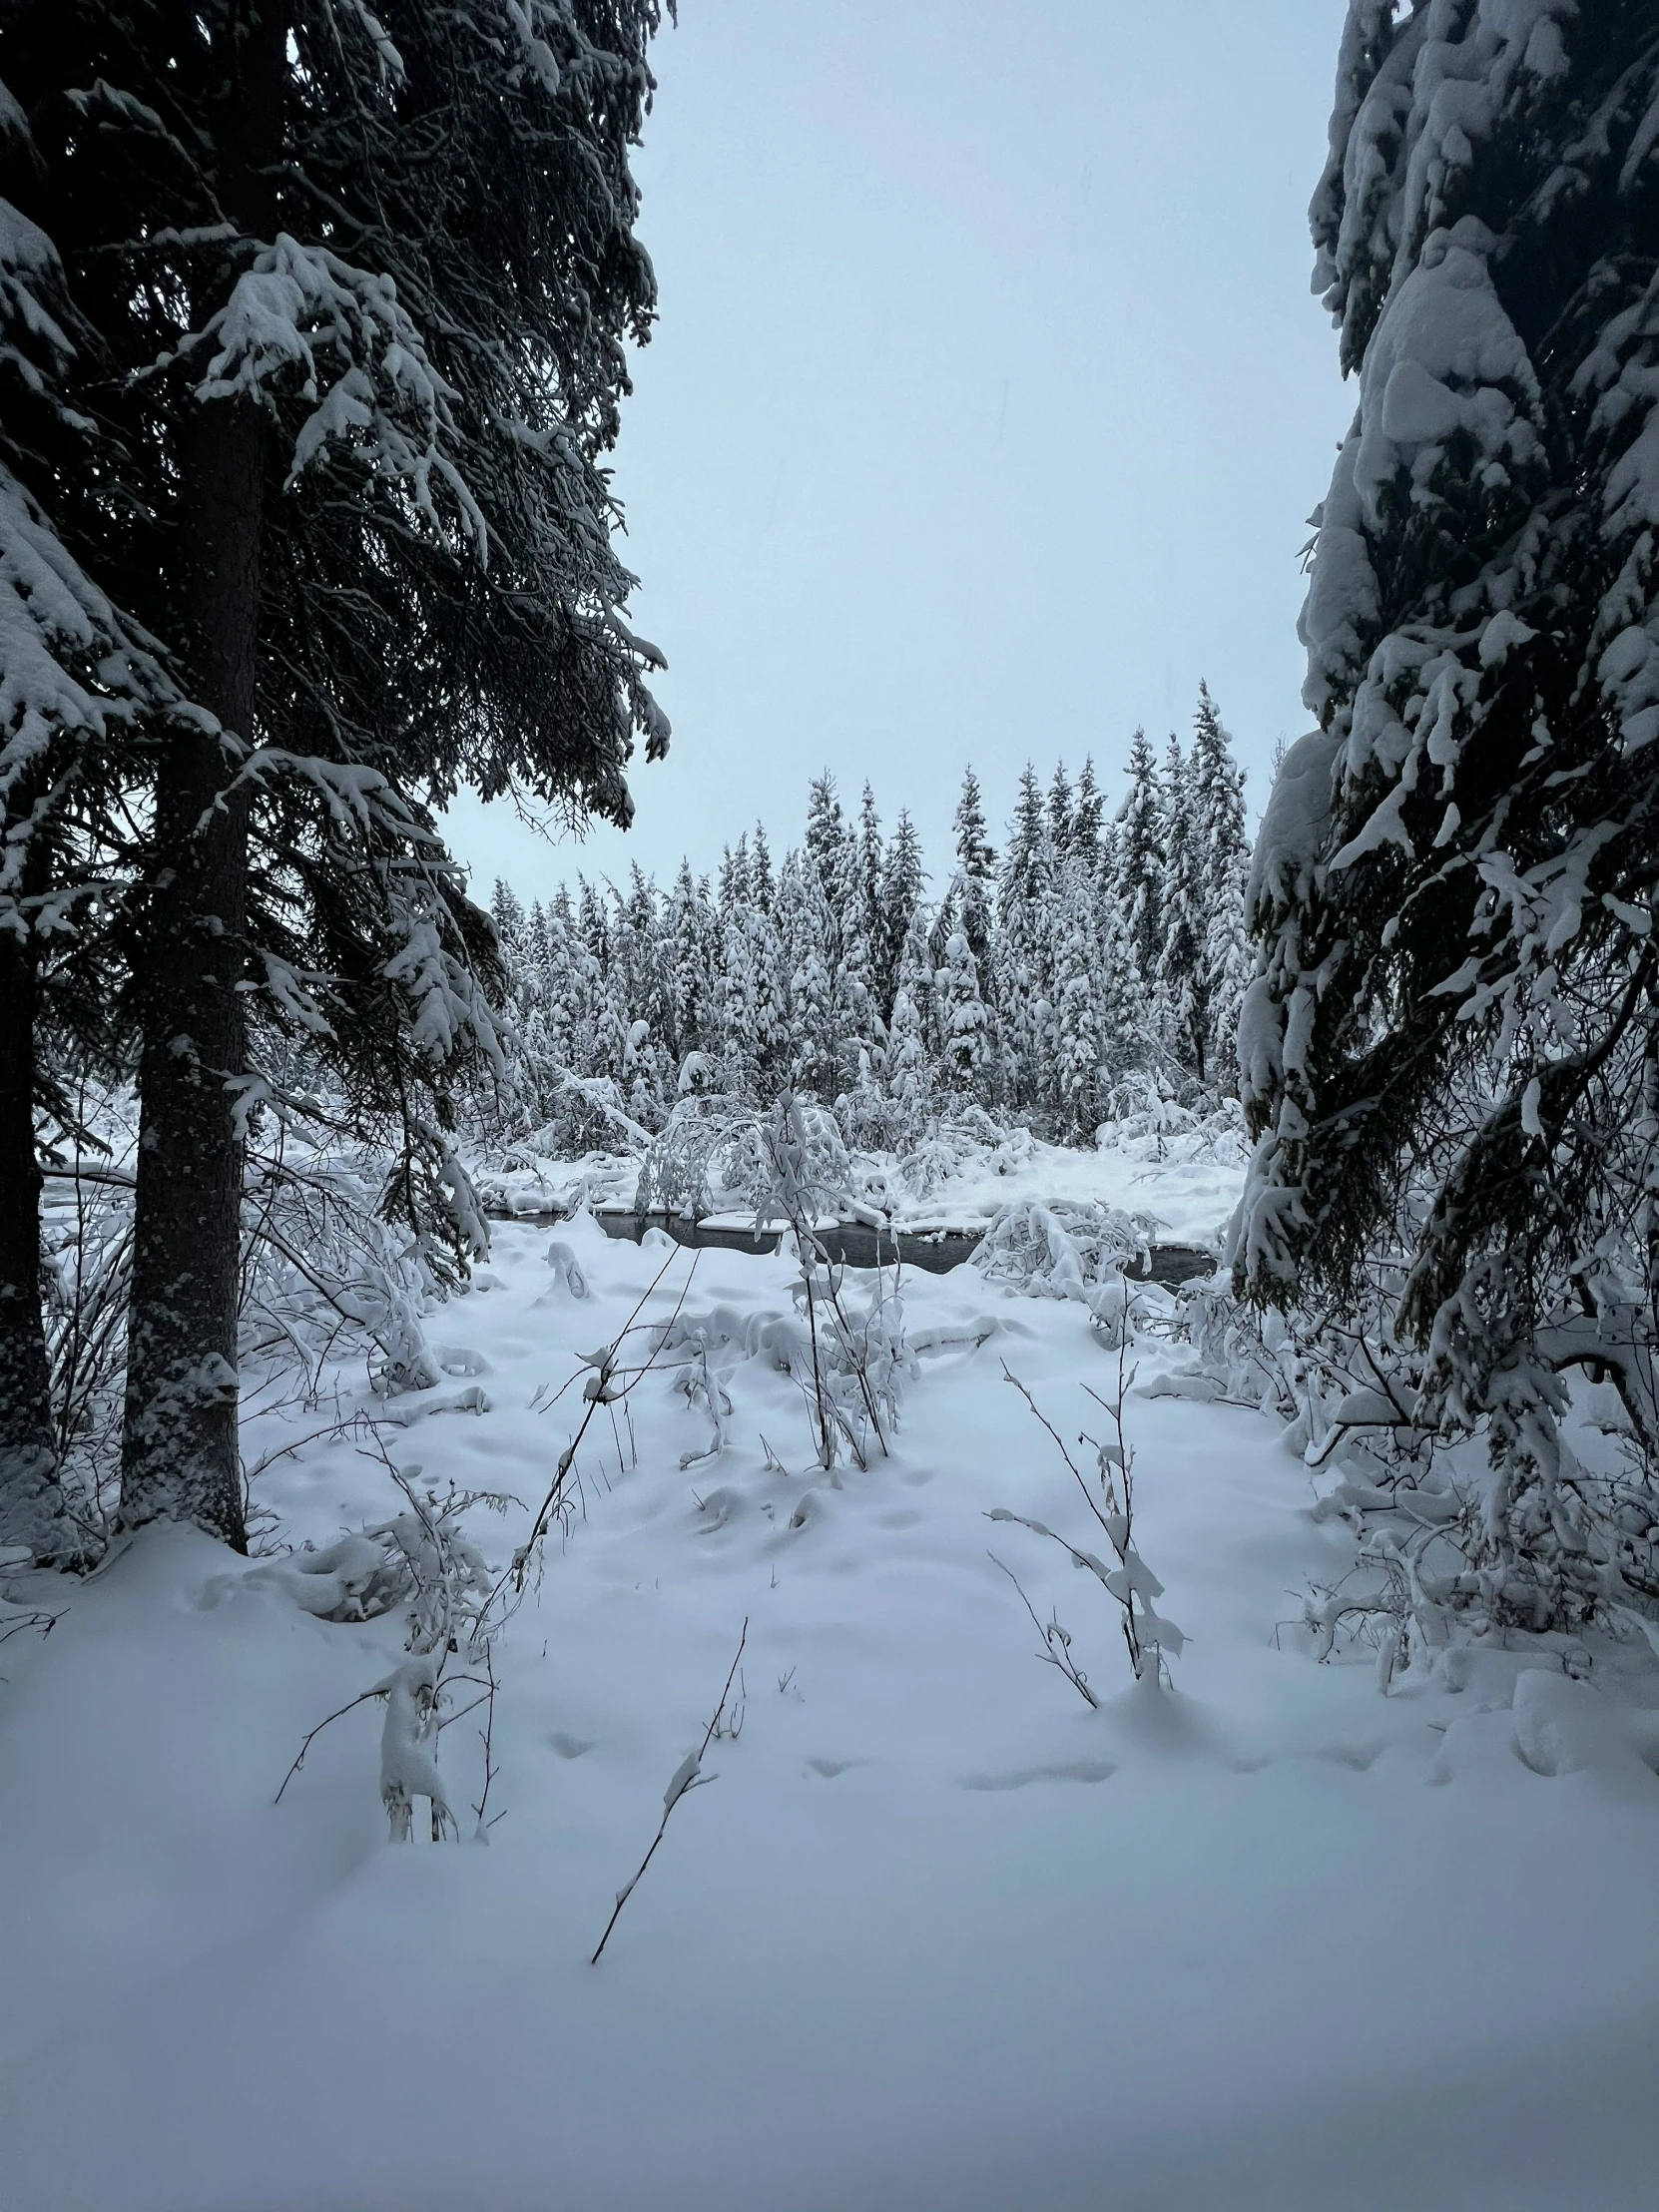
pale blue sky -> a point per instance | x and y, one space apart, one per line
986 405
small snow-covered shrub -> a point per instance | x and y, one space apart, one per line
1463 1533
961 1143
532 1177
408 1748
1147 1126
710 1158
856 1360
1060 1251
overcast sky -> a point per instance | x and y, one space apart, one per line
986 409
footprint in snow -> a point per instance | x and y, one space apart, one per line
1073 1770
569 1746
1356 1756
830 1768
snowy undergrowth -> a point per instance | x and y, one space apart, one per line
941 1934
1175 1170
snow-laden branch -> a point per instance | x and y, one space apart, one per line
303 312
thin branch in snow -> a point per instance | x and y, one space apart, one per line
299 1757
687 1775
1056 1643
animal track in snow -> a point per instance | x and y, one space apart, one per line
1071 1770
1356 1756
569 1746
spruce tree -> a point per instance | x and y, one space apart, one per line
1450 1045
1223 855
357 290
1060 813
975 879
1078 1045
762 886
1088 813
872 870
901 888
1024 891
1140 860
967 1039
913 1033
1185 905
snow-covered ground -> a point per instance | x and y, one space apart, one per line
938 1937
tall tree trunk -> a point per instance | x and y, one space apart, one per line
31 1503
179 1442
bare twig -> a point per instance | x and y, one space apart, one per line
300 1759
19 1624
1056 1651
488 1733
687 1775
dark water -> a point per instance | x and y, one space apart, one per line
854 1244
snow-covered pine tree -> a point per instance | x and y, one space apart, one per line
773 1020
593 922
1025 889
359 290
507 914
805 930
1079 1067
966 1049
860 1033
1088 813
873 870
642 972
737 1001
1122 1013
1060 814
1140 861
1224 964
732 881
556 960
976 878
1454 1038
911 1033
901 887
762 885
827 836
1183 1001
692 940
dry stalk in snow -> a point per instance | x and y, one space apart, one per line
687 1775
1149 1638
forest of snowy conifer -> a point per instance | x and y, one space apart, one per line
1098 959
1103 1381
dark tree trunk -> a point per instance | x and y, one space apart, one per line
180 1453
31 1504
179 1446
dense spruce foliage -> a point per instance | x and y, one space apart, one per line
1451 1053
313 329
1031 984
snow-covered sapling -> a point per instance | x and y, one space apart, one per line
1150 1640
408 1748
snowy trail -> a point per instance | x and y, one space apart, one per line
938 1935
